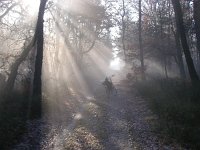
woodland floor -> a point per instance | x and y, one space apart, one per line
95 122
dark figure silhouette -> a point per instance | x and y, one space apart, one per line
108 84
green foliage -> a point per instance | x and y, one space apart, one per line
12 119
177 106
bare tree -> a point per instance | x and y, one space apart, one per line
181 30
196 15
14 67
18 37
7 11
123 29
37 82
179 54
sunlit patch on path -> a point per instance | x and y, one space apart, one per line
81 138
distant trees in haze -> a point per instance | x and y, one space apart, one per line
162 35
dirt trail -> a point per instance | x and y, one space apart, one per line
94 122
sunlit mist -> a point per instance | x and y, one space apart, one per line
32 6
116 64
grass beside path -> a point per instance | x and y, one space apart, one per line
177 108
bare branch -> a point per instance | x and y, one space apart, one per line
7 11
90 48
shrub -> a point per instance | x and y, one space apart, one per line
12 119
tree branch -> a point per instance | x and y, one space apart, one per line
90 48
7 11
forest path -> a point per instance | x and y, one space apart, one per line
93 122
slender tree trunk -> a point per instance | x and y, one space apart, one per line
37 81
196 14
164 53
179 55
181 30
178 47
123 31
165 66
140 40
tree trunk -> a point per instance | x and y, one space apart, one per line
179 55
37 81
123 31
196 14
181 30
165 67
140 40
14 68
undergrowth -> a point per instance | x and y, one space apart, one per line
12 119
177 107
